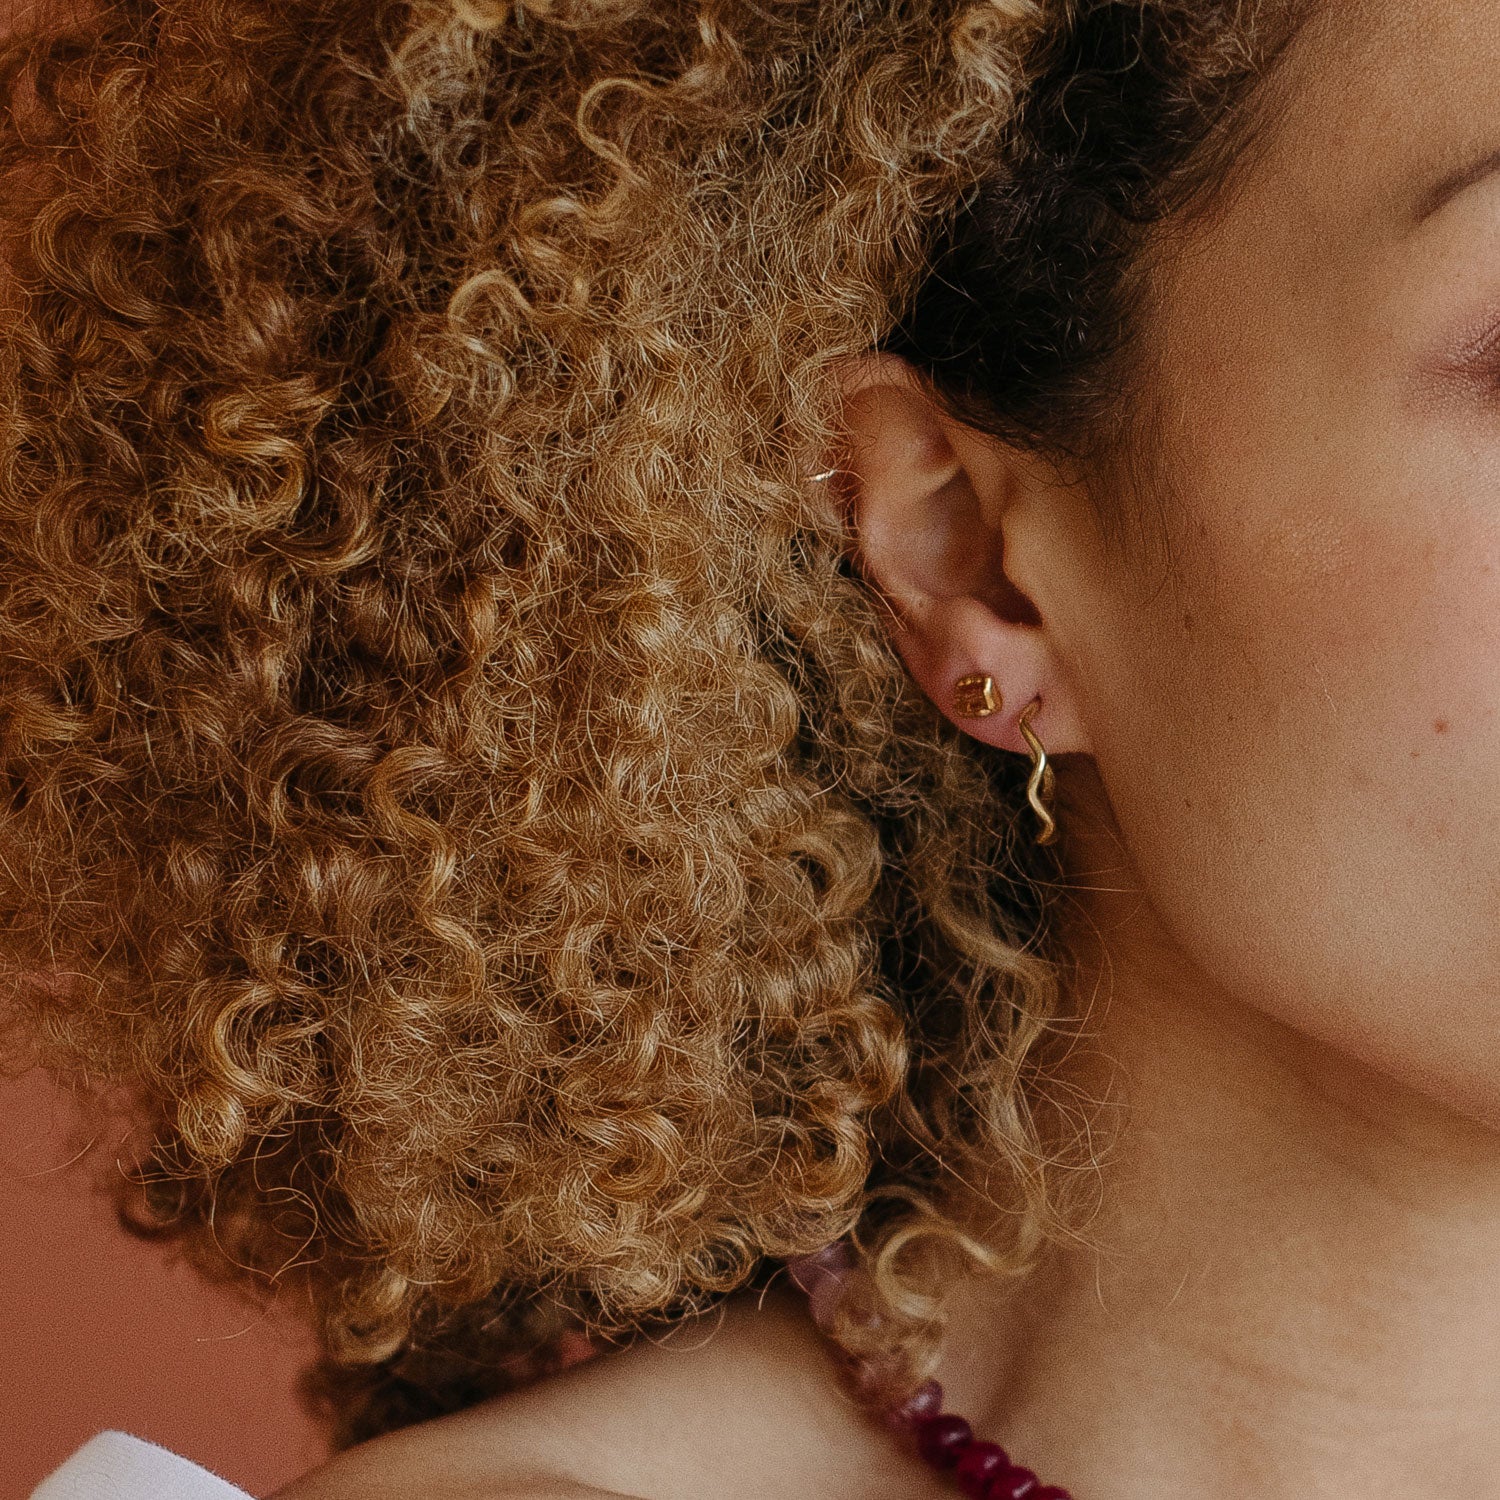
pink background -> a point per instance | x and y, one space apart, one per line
99 1330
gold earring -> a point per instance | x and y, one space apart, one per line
1041 776
976 696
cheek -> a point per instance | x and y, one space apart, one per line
1303 751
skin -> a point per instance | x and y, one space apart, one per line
1276 712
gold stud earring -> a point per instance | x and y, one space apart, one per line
976 696
1041 779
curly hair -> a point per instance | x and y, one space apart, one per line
456 784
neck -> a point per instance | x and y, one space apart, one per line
1291 1287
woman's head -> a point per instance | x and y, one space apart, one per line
1278 670
461 774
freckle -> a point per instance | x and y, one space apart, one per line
1440 725
1187 621
1416 755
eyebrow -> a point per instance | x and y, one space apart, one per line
1455 182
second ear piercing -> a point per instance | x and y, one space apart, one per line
976 696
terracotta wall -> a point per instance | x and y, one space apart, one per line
98 1330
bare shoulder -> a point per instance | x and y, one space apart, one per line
745 1406
339 1481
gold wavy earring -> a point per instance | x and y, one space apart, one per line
1042 776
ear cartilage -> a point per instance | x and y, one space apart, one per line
976 696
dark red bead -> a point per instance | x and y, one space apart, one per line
942 1439
925 1401
978 1464
1013 1484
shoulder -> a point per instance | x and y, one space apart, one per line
336 1481
745 1406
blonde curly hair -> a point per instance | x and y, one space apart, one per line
455 781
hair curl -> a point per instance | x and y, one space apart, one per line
453 776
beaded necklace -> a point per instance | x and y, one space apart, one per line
983 1471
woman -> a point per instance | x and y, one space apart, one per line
642 640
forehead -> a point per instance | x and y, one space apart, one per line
1378 100
1375 103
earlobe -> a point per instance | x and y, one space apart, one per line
930 500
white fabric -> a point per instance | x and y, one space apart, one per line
117 1466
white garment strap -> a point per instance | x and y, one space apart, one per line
117 1466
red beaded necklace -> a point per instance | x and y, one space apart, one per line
983 1471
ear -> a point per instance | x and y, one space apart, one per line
951 525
